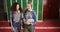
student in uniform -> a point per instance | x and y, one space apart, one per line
29 18
15 16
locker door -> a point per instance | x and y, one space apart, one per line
8 4
37 6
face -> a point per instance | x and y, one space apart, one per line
29 6
17 7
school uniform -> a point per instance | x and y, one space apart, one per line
29 16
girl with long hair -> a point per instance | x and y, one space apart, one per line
15 14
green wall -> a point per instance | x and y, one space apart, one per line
24 5
8 8
40 10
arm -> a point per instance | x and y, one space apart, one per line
23 17
11 23
11 20
34 17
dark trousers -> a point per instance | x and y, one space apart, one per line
28 28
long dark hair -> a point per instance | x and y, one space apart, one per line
14 7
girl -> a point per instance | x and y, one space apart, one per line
29 18
15 16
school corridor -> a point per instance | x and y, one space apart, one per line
48 14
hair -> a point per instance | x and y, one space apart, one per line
26 8
30 3
14 7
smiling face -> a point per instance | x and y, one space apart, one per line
17 7
29 6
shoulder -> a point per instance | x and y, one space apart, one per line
34 11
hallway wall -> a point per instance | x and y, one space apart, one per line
51 9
